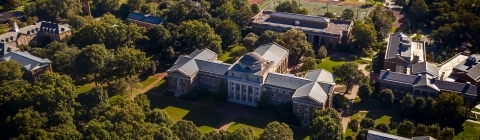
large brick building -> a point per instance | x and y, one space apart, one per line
30 34
318 29
32 66
245 79
406 71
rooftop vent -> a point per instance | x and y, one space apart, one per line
388 69
468 83
28 32
62 29
297 22
6 40
419 75
11 37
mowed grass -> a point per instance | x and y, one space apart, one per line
379 117
85 88
470 132
159 87
206 119
328 63
227 54
256 125
476 109
316 8
148 81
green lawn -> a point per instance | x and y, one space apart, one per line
372 105
329 62
475 109
147 82
206 119
21 8
159 87
255 124
85 88
383 117
226 56
114 98
470 132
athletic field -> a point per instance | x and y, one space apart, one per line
319 7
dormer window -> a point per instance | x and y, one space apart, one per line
248 68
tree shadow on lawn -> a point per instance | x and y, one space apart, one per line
200 115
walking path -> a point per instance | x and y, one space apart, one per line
473 121
159 77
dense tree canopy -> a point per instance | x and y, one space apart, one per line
386 96
347 14
10 70
325 128
291 7
278 131
349 75
296 42
198 35
364 35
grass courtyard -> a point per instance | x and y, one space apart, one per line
319 8
205 118
258 125
329 62
227 55
470 132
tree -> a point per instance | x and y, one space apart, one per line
94 33
364 35
12 4
450 108
255 8
78 22
10 70
168 54
433 130
353 124
93 60
367 123
198 35
30 9
277 131
325 128
407 103
96 96
290 7
263 102
159 37
135 5
309 63
446 134
322 52
129 61
58 8
101 7
225 11
133 83
296 42
418 10
185 130
329 15
386 96
406 129
347 14
229 32
382 22
243 16
348 74
421 130
419 106
340 101
165 134
250 41
217 135
159 117
268 36
222 93
383 128
242 133
364 92
362 135
330 112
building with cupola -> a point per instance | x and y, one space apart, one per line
263 71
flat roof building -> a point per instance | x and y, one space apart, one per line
319 30
144 20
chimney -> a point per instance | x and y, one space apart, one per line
28 32
11 38
6 40
63 29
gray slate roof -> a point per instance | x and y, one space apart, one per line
272 52
201 61
28 61
427 80
145 18
203 54
425 67
397 46
320 75
375 135
5 48
423 138
471 66
305 87
286 80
